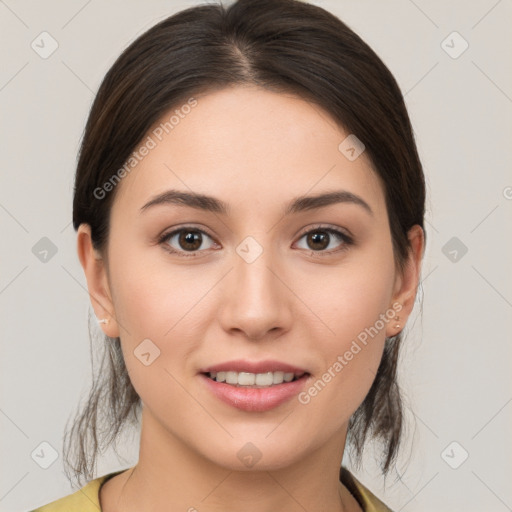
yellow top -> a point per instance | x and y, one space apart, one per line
87 498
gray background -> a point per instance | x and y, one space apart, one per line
457 358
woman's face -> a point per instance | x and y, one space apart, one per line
250 283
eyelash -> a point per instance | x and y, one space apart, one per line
347 241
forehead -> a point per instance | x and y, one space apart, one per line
248 146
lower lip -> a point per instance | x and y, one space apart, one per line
255 399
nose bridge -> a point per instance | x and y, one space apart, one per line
255 300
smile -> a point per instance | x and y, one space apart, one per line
254 380
255 397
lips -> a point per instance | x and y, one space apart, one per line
266 366
287 381
251 399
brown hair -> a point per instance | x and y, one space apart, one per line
282 45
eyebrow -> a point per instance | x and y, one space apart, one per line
298 204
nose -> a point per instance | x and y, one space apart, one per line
256 300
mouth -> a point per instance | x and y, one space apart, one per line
254 392
254 386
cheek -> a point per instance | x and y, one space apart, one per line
352 305
152 304
155 302
350 297
150 296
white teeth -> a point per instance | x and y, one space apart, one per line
278 377
231 378
246 379
253 379
264 379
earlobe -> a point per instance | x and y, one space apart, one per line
405 294
97 282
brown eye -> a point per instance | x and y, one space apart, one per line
318 240
190 240
185 240
321 239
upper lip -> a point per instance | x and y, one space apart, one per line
241 365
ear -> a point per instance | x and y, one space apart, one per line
97 281
406 285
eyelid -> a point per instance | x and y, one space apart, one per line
327 227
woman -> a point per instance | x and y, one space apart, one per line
249 206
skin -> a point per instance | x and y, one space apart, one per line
255 150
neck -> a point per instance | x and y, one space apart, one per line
171 475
